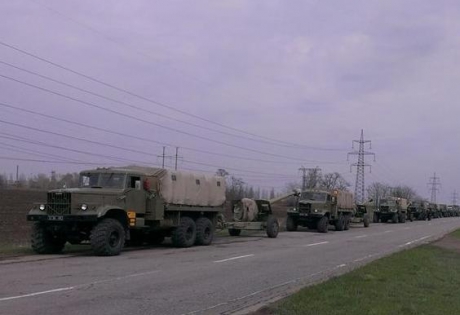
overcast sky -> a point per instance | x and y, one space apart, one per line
287 83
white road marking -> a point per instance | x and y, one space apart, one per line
388 231
233 258
363 258
406 228
415 241
361 236
341 266
77 286
316 244
35 294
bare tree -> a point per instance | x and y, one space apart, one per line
405 192
334 181
378 190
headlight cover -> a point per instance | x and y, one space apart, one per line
42 207
84 207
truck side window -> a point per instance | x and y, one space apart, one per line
135 182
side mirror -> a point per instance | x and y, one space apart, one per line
334 200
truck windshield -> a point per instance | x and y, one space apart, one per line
102 180
311 195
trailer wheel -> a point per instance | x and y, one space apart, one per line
291 224
273 227
204 231
185 234
322 225
107 237
366 220
375 218
340 223
234 232
394 218
44 242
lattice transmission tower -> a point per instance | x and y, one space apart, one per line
434 183
360 166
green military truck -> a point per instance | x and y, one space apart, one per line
136 204
418 210
316 209
392 208
444 211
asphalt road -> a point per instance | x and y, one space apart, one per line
232 276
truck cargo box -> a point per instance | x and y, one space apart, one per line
345 199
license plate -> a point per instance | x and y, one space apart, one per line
303 214
56 218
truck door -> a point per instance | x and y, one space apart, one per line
135 196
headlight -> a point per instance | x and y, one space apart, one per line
42 207
316 210
84 207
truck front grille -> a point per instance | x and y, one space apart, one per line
384 208
305 208
58 203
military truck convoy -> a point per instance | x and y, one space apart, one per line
143 205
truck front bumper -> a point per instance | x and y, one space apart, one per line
61 218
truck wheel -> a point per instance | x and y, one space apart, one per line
340 223
366 220
394 218
234 232
204 231
322 225
107 237
185 234
44 242
291 224
346 227
402 218
273 227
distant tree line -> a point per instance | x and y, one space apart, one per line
381 190
40 181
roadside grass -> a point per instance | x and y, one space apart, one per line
455 234
423 280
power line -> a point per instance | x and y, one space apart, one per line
155 141
146 110
150 100
146 121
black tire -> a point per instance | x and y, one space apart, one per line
108 237
346 227
340 223
273 227
234 232
204 231
44 242
185 234
322 225
291 224
395 218
366 220
402 218
375 218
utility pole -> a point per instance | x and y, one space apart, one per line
177 158
163 164
434 183
360 166
454 198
